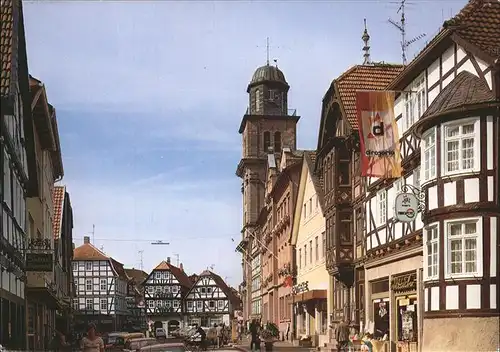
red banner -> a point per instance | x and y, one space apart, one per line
379 136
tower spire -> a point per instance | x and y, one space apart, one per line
366 48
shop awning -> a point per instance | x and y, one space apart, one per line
310 295
43 295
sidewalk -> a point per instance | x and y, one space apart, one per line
278 346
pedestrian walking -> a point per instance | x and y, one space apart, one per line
92 342
254 332
342 336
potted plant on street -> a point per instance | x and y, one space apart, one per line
269 334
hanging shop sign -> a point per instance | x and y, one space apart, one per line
404 283
406 207
300 288
39 262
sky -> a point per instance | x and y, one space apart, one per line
150 95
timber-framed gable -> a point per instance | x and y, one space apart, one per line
164 290
338 161
210 300
453 169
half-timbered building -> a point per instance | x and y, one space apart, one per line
210 301
456 80
101 288
136 320
164 290
18 178
338 163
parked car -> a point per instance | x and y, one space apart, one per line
133 345
165 347
160 332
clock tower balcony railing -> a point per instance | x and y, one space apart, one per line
290 112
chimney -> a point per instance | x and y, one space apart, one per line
181 267
86 239
168 260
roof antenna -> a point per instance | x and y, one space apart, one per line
366 48
141 261
401 26
93 233
267 50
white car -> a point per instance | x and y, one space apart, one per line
160 332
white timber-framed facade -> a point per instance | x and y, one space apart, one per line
101 289
18 178
164 291
210 301
440 271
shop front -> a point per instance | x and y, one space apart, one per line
394 305
42 307
12 321
404 289
311 316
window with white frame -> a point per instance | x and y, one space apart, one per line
88 285
463 242
190 304
382 206
398 185
176 304
88 266
89 304
432 247
104 284
199 304
415 103
416 177
428 162
460 147
104 304
220 304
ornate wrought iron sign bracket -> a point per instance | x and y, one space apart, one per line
408 204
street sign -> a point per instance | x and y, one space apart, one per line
406 207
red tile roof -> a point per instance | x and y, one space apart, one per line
58 201
88 252
479 24
363 77
119 269
178 273
6 45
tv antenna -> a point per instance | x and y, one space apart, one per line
211 267
141 261
177 259
401 26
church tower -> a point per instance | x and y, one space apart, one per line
268 126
